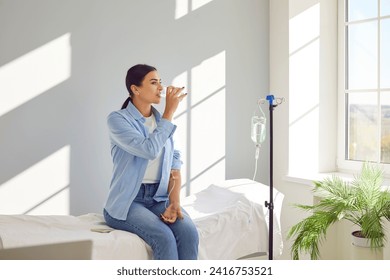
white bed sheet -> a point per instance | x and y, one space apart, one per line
232 219
26 230
230 216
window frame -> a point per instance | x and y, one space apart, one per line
344 164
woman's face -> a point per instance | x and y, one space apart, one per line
150 89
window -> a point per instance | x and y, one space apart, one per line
365 81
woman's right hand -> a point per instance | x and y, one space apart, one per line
172 213
173 97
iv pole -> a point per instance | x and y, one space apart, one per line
270 204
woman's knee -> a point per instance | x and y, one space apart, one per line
186 232
188 243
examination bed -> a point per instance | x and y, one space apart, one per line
230 216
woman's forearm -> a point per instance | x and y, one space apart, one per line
174 187
173 211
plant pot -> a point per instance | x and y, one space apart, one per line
361 249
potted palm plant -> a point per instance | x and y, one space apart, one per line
363 201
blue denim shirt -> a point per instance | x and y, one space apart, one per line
131 148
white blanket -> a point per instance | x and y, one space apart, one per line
230 216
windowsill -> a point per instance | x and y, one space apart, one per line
307 179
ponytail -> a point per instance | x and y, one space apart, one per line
126 102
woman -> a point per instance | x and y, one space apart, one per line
144 196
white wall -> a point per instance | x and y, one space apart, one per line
303 69
62 70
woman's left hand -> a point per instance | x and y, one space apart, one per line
171 214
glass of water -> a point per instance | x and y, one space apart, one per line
163 93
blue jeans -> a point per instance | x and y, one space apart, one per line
177 241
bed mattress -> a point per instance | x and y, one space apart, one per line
230 216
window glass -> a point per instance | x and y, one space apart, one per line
362 56
385 127
362 9
367 81
385 53
385 7
362 126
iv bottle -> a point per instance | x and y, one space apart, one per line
258 129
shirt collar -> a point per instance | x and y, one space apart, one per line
133 111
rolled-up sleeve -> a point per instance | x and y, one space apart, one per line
176 162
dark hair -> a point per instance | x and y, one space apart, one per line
135 76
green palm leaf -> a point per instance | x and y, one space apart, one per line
362 201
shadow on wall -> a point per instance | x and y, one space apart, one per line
62 70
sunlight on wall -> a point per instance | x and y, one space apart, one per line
181 119
41 189
304 28
196 4
304 82
201 121
208 106
34 73
181 8
184 6
181 80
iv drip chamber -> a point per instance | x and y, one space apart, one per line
258 129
